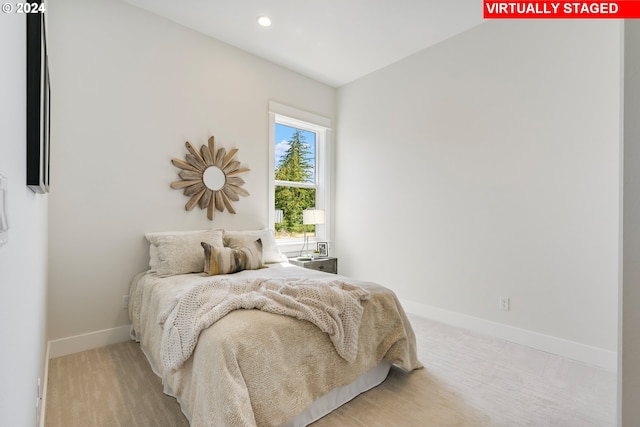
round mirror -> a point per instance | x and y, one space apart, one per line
213 178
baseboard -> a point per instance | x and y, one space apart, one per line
589 355
586 354
91 340
43 390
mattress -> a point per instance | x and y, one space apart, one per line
253 368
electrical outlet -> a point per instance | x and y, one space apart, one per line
125 301
504 303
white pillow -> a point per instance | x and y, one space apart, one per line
180 252
154 259
240 239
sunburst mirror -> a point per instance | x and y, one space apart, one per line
210 178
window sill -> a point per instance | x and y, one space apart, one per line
293 248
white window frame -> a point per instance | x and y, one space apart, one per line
290 116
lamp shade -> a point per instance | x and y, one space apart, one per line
313 216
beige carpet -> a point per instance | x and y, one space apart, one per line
469 380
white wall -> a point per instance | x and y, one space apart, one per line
629 374
488 166
129 88
23 260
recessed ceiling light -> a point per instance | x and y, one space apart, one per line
264 21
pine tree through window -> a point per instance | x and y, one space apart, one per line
295 178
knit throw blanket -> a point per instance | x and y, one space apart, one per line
332 305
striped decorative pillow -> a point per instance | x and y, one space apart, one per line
270 251
219 260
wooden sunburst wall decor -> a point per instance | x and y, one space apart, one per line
210 178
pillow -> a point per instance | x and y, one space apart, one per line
219 260
154 259
270 251
180 252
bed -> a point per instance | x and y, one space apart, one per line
252 367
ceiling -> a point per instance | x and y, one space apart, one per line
332 41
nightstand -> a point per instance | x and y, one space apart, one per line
327 264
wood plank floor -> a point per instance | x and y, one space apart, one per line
469 380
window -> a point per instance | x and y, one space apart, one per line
296 180
298 174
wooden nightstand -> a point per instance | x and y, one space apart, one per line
327 264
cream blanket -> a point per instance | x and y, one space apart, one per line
253 368
332 305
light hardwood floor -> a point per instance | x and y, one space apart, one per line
468 380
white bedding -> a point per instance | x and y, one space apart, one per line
253 368
332 305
